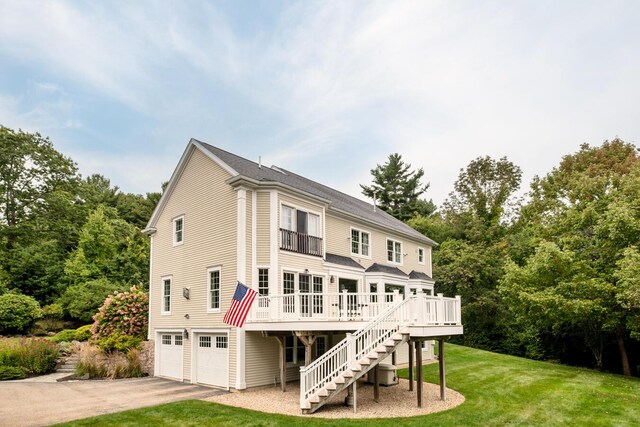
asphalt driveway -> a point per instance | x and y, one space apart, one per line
25 403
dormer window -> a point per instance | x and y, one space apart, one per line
178 231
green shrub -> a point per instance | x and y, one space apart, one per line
33 355
83 333
11 373
82 300
52 316
18 312
64 335
119 342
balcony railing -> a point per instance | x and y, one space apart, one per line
300 242
346 306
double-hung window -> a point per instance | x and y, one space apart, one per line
359 242
394 251
213 286
166 295
420 255
178 231
263 282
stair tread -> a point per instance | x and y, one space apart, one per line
331 386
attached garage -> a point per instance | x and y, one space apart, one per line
169 352
211 354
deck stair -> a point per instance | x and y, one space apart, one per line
353 357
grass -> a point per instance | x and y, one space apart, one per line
499 390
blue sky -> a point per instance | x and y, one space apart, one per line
326 89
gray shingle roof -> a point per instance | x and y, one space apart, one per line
342 260
381 268
337 199
419 275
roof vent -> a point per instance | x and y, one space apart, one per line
259 162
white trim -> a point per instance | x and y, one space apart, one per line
274 245
254 234
173 230
418 249
162 295
158 343
194 342
150 285
360 230
241 257
386 251
217 268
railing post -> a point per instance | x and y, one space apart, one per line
351 350
303 386
458 310
344 302
440 310
296 305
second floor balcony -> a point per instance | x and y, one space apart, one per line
300 242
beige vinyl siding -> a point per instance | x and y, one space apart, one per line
209 208
263 222
262 365
249 242
339 243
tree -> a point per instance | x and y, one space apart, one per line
111 255
32 172
483 190
396 189
589 209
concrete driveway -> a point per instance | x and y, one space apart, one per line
28 403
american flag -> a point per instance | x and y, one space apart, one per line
240 304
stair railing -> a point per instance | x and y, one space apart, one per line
351 349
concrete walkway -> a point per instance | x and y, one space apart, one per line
40 403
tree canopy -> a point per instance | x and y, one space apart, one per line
396 189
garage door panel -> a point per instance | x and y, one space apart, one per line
212 359
170 355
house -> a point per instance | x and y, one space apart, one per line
337 279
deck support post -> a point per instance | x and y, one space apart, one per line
355 396
307 340
443 383
376 384
411 364
418 345
283 363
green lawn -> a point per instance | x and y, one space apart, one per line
499 390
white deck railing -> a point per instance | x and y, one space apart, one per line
417 309
346 306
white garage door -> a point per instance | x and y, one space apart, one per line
170 355
212 359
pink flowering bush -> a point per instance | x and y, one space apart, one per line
121 322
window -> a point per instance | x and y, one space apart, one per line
389 288
222 342
288 283
293 350
166 295
421 255
359 242
263 281
178 231
214 288
287 218
394 251
205 341
166 339
178 339
373 289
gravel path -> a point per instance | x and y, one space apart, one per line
395 401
